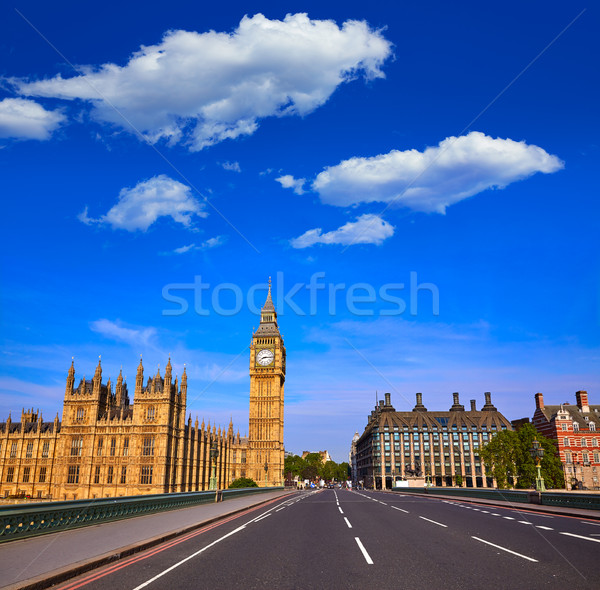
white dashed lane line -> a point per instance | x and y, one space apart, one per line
580 537
363 551
434 522
546 528
341 511
505 549
401 510
348 522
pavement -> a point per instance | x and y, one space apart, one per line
334 539
559 510
39 562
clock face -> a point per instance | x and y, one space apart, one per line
265 357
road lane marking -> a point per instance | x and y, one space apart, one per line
546 528
508 517
364 551
434 522
496 514
341 511
278 509
502 548
262 517
580 537
348 522
383 503
401 510
485 511
592 523
524 522
176 565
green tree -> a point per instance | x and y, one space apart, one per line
329 471
551 467
500 455
512 464
243 482
310 472
312 467
459 480
343 471
294 464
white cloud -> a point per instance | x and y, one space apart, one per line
288 181
26 119
206 245
213 242
434 179
184 249
367 229
232 166
202 88
139 207
139 338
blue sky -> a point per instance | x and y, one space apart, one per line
366 148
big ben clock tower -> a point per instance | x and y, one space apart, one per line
267 376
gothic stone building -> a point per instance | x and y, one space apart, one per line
105 446
427 444
576 430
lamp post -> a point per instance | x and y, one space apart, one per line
537 452
427 476
266 471
214 453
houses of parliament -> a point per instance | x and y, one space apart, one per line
106 446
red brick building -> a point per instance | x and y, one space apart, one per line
576 429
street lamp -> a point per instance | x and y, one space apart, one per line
427 476
214 453
537 452
266 471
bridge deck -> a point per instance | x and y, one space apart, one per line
24 562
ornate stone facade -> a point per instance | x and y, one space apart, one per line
105 446
576 430
267 378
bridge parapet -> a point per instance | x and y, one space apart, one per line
19 522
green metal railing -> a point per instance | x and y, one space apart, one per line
490 494
577 500
564 499
18 522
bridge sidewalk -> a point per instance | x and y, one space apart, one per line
40 562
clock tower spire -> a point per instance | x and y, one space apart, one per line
267 377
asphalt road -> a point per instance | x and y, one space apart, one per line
346 539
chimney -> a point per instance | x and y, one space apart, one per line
388 399
473 406
456 403
381 403
539 401
489 406
419 407
582 401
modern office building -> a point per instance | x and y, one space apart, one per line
440 447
